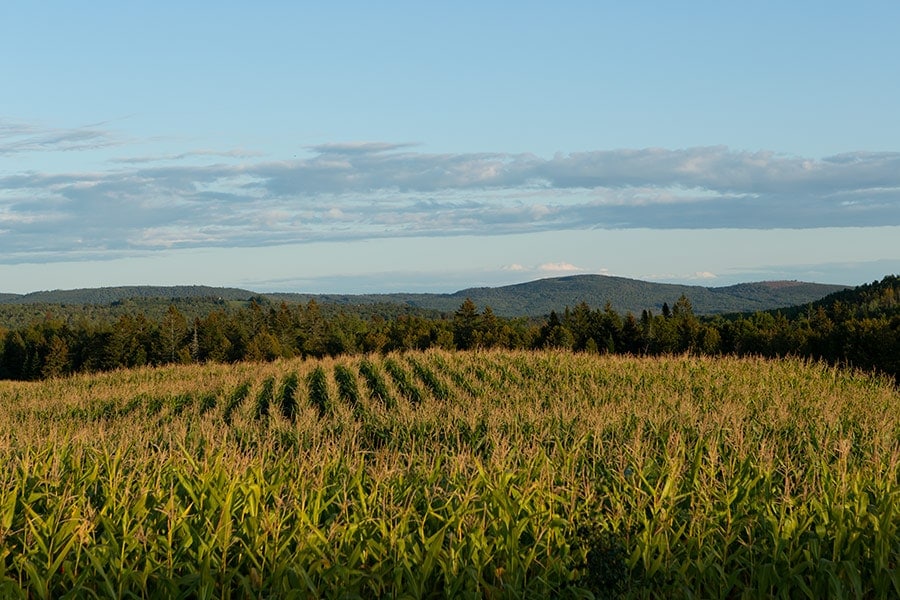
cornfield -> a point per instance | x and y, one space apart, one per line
441 474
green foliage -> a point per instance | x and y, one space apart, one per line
465 325
208 401
318 391
235 399
432 381
405 385
265 398
532 299
378 388
860 328
288 396
347 387
605 568
550 474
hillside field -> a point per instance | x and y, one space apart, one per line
500 474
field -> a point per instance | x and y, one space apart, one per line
442 474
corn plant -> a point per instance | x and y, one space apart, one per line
515 474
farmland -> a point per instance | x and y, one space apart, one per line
453 474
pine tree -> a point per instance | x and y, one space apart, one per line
173 329
56 362
465 325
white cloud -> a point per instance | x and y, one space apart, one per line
236 153
20 138
369 190
357 147
559 267
695 276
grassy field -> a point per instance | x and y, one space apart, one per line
440 474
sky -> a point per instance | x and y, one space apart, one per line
349 147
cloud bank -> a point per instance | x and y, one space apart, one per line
19 138
351 191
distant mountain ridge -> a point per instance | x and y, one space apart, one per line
108 295
534 298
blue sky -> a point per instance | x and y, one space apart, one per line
343 146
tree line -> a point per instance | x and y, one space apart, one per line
860 329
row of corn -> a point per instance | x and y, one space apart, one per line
488 474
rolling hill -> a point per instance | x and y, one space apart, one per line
533 298
109 295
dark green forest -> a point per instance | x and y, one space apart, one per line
858 327
532 298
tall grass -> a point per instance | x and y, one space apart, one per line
483 474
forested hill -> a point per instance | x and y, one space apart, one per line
537 298
859 328
109 295
879 298
534 298
631 295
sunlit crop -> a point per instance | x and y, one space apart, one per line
441 474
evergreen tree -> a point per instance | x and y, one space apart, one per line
56 362
465 325
489 332
14 355
174 330
687 326
311 338
632 342
555 335
213 343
